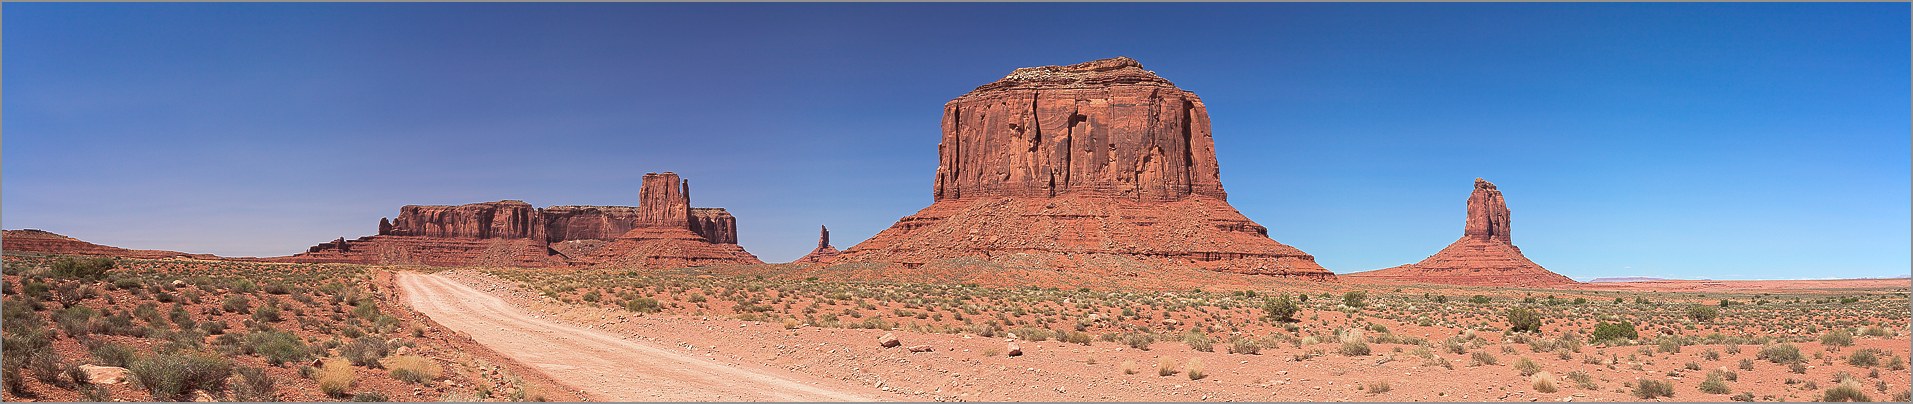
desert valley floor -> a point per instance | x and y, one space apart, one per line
224 330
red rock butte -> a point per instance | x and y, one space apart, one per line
824 253
663 231
1079 163
1485 255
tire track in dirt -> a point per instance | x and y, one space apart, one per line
605 366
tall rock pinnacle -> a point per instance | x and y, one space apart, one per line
1485 254
824 253
1092 164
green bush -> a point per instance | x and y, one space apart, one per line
643 305
1779 353
1838 337
1606 331
111 353
1479 299
1355 299
1354 348
81 268
278 348
1847 390
267 313
1715 384
1198 341
1280 310
1703 313
1524 320
236 304
174 376
1869 357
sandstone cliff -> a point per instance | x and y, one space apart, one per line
1485 255
824 253
1081 166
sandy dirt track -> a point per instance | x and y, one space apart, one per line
605 366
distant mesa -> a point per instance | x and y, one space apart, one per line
825 253
663 231
1060 166
1485 255
45 242
1627 279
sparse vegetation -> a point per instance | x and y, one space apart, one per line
1650 388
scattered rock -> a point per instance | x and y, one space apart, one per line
1013 350
200 396
104 374
888 340
919 348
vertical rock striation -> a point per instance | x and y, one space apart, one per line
825 253
1485 255
1092 165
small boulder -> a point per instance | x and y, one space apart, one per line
200 396
104 374
1171 322
919 348
179 283
888 340
1013 350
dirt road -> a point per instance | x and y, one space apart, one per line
606 366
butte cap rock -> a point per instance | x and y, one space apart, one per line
1087 165
1485 255
825 253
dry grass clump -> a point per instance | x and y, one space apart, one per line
413 368
336 377
1526 366
1129 367
1847 390
1543 382
1716 383
1165 367
1377 387
1194 369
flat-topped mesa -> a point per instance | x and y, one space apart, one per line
1092 165
1487 214
1101 128
663 230
1484 255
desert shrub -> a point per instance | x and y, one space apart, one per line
267 313
213 327
254 385
1526 366
1199 341
1847 390
1583 380
1746 364
1356 299
1668 345
111 353
1715 384
1479 299
1837 337
1606 331
1745 396
1354 348
1280 310
1377 387
1779 353
1165 366
236 304
1136 340
413 368
1239 345
1702 313
174 376
364 351
277 288
1482 358
643 305
1524 320
1869 357
1876 331
78 321
277 347
1075 337
1194 369
1543 382
335 378
1129 367
1649 388
377 397
81 268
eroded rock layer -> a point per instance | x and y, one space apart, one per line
1095 162
512 233
1485 255
44 242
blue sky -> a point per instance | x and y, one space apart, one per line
1725 141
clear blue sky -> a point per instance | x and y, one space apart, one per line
1726 141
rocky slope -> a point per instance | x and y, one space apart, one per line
1065 166
1485 255
41 241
